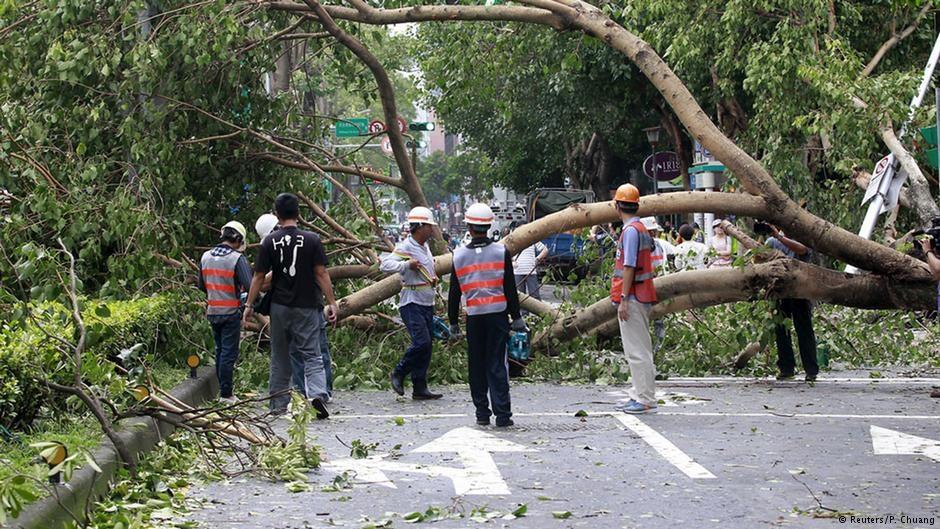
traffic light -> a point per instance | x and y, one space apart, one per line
425 126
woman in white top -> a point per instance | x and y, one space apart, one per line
721 243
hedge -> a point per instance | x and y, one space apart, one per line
167 327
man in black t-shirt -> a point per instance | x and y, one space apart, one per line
300 281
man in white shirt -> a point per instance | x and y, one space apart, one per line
690 254
413 261
525 268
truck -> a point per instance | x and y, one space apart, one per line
565 248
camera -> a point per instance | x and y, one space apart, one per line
762 228
933 231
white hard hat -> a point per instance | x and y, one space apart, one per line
479 214
265 225
421 215
650 223
237 226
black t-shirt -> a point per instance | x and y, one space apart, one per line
292 253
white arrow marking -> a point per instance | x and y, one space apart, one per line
890 442
480 476
671 452
474 448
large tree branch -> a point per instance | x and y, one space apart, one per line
387 96
574 217
777 279
893 41
812 230
440 13
919 190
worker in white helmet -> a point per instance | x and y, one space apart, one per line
482 274
413 261
223 275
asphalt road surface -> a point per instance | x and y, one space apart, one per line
723 453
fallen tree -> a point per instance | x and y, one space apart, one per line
777 279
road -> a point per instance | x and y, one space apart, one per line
726 453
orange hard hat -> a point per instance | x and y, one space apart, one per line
627 193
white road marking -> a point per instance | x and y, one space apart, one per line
825 380
602 413
669 451
891 442
480 475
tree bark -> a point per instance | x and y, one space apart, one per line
574 217
777 279
918 188
562 14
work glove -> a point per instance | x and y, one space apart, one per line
454 332
518 325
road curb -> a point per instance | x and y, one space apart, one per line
141 435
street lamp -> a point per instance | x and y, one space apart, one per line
652 136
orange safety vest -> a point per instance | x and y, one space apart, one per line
480 271
642 287
218 275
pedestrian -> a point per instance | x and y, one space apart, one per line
413 261
266 224
722 246
662 249
223 275
482 274
799 310
298 285
633 292
526 267
689 253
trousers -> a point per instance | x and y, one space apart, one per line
638 348
226 332
801 311
295 331
419 320
487 337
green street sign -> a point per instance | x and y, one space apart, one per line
352 127
929 134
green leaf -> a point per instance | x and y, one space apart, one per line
91 462
561 515
581 413
521 511
102 311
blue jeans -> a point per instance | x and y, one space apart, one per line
297 363
419 320
226 332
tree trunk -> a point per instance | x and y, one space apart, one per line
777 279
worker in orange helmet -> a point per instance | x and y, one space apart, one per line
633 292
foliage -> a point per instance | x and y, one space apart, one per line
522 94
292 460
525 94
466 173
30 351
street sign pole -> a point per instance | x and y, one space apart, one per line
890 183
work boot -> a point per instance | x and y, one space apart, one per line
321 409
397 383
421 392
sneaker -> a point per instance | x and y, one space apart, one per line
229 400
504 423
811 378
622 405
398 383
638 408
785 376
483 422
321 409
